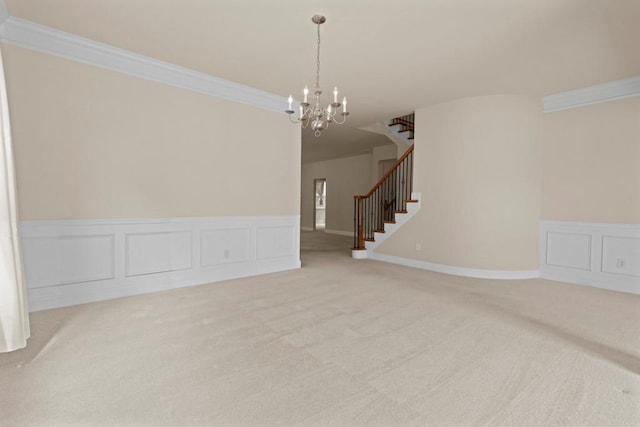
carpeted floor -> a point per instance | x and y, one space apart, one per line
339 342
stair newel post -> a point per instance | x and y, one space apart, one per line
355 223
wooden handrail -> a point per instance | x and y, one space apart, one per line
386 175
387 197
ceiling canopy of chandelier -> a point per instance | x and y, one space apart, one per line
319 117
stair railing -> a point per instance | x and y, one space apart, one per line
388 197
406 124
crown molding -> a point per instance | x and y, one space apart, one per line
48 40
592 95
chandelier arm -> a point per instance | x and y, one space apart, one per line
292 120
344 119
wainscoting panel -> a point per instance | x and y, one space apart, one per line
276 242
570 250
53 261
79 261
158 252
224 246
621 255
595 254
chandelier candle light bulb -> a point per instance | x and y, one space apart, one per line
319 117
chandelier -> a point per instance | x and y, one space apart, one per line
319 117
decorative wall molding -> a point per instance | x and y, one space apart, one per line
592 95
456 271
224 246
595 254
157 252
71 258
55 42
79 261
276 241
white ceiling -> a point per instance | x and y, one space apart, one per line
388 57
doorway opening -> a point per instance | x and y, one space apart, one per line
320 197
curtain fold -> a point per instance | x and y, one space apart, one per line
14 315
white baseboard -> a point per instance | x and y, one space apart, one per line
456 271
339 232
603 255
401 219
359 254
79 261
336 232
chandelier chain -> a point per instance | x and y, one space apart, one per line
318 60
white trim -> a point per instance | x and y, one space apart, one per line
193 220
457 271
401 219
389 229
48 40
576 225
4 12
602 243
359 254
592 95
78 261
339 232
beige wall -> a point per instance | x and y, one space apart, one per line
91 143
383 152
591 163
346 177
477 167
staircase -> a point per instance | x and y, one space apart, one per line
391 200
403 127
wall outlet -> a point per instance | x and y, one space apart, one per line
227 253
621 263
418 246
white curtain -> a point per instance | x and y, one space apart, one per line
14 316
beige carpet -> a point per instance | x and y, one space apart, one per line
339 342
